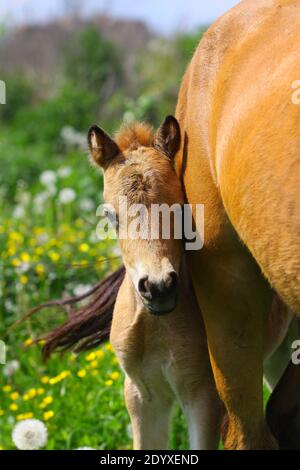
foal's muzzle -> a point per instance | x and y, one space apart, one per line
159 297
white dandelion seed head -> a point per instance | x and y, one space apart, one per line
85 448
81 289
86 204
30 434
51 190
24 267
9 305
72 137
11 367
19 212
64 172
40 201
48 178
67 195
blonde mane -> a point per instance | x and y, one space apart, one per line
133 135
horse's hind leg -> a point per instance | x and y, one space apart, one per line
203 411
150 417
234 309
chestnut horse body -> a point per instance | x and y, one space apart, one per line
240 157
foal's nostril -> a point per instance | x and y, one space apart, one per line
171 281
143 286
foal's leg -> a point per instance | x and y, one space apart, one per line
150 417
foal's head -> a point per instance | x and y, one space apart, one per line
139 173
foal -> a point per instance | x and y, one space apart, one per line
165 357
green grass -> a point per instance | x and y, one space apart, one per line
80 399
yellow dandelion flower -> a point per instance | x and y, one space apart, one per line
47 400
40 391
28 342
99 354
81 373
115 361
39 250
109 347
45 379
1 412
64 374
23 279
39 230
7 388
24 416
94 364
59 377
109 383
84 247
13 407
48 415
54 256
40 269
30 394
91 356
16 237
16 262
25 257
53 381
114 375
14 396
11 251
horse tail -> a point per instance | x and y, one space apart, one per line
90 325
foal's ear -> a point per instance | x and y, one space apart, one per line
103 149
167 138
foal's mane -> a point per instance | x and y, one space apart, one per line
133 135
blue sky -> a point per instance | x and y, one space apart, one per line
162 15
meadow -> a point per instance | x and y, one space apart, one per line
47 251
49 194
